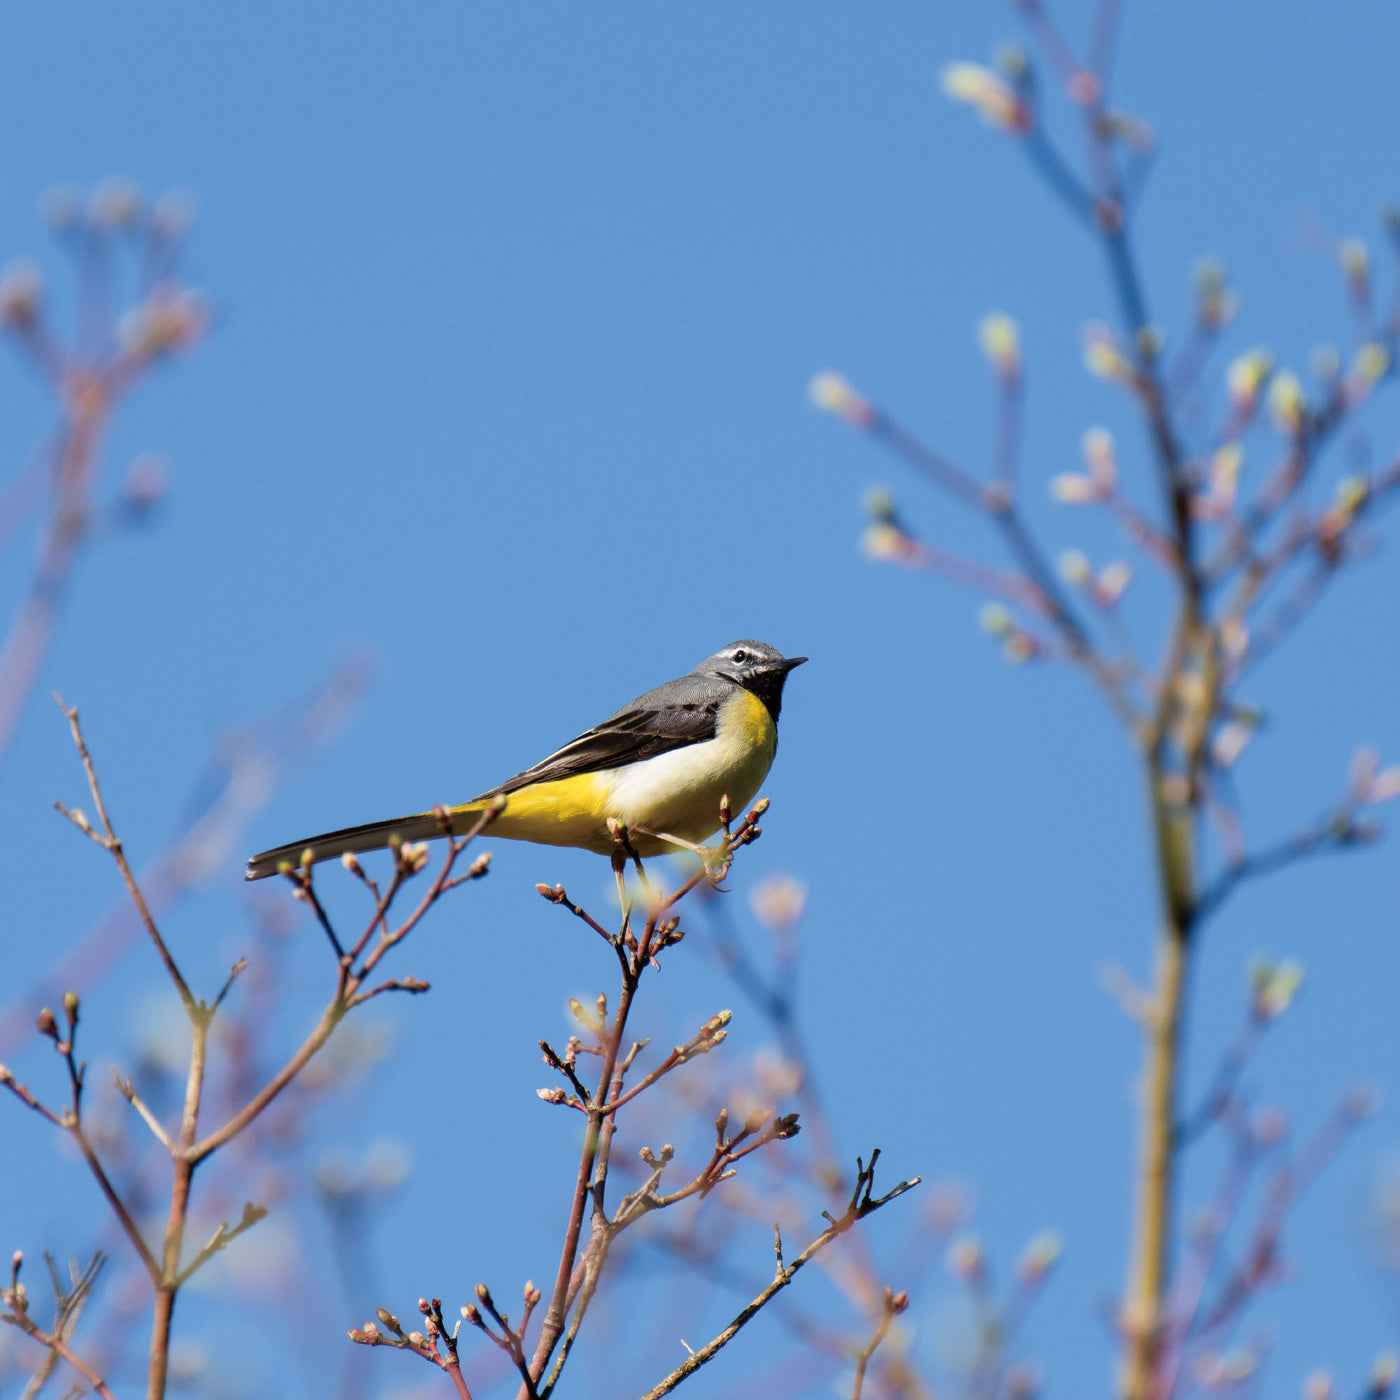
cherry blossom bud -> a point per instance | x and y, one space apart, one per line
1317 1385
1384 1370
1098 452
1287 403
1279 991
1019 648
996 619
1225 464
885 541
1230 741
1075 568
1001 343
1113 581
1367 368
1215 303
1218 1372
162 324
1355 259
21 292
990 96
1074 489
1104 357
1039 1256
965 1259
778 901
116 203
1246 376
832 393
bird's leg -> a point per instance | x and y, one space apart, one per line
619 865
642 876
705 854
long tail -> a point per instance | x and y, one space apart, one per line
371 837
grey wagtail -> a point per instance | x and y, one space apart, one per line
660 765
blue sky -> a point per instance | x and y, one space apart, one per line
514 311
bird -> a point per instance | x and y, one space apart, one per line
660 766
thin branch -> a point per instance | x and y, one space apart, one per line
860 1206
1339 832
894 1304
221 1239
55 1342
128 1092
110 841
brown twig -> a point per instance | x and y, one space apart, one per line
861 1205
15 1299
894 1304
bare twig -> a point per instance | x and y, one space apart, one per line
861 1205
15 1300
894 1304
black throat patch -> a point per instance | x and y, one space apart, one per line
768 686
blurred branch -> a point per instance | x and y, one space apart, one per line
69 1304
255 759
861 1205
895 1303
89 378
186 1148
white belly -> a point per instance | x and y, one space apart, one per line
679 792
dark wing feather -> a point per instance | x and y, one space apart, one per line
628 737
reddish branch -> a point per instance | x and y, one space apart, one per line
166 1265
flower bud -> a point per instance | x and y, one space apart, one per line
1104 357
1113 581
1246 376
990 96
1384 1370
21 292
1355 260
778 901
832 393
1098 452
996 619
1317 1385
1287 402
116 203
1074 489
965 1259
1001 343
1039 1256
1075 568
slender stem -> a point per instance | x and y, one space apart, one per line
330 1019
781 1279
129 1226
553 1326
112 843
60 1348
1149 1272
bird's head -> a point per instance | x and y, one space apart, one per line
754 666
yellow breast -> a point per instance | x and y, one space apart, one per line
677 792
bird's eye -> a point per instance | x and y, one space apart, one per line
740 657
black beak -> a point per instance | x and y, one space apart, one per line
786 665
